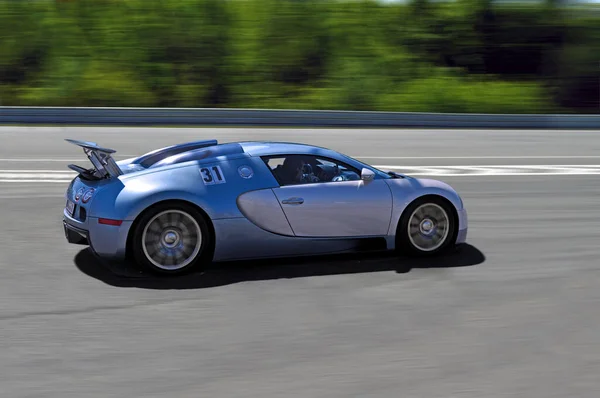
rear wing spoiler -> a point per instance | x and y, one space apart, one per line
105 166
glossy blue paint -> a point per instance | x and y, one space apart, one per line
157 155
252 215
231 151
108 240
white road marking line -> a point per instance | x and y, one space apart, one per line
42 176
70 160
495 170
37 171
65 176
38 181
33 160
494 166
55 176
483 157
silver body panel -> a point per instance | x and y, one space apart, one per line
262 209
252 215
240 239
338 209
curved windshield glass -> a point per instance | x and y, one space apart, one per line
379 172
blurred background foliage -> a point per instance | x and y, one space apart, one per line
459 56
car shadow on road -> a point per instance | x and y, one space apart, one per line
221 274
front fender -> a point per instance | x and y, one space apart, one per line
424 186
407 190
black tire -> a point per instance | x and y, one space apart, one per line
149 238
431 205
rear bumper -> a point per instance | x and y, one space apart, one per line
82 227
106 241
74 235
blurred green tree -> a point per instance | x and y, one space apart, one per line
459 56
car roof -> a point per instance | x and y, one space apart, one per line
210 149
270 148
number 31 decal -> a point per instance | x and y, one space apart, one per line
212 175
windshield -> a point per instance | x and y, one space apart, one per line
379 172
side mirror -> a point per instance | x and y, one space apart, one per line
366 174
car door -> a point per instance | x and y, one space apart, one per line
337 208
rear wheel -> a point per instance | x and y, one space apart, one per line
171 239
427 227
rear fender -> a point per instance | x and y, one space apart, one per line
143 203
127 197
130 202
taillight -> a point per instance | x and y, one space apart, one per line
108 221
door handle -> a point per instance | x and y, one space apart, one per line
293 201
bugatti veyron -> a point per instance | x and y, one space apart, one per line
177 208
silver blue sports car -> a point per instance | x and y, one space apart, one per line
183 206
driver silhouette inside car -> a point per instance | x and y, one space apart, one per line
295 170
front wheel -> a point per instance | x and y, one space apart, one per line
171 239
427 227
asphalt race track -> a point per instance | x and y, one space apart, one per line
515 314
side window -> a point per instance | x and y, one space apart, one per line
308 169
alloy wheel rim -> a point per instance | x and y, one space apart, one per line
171 240
428 227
